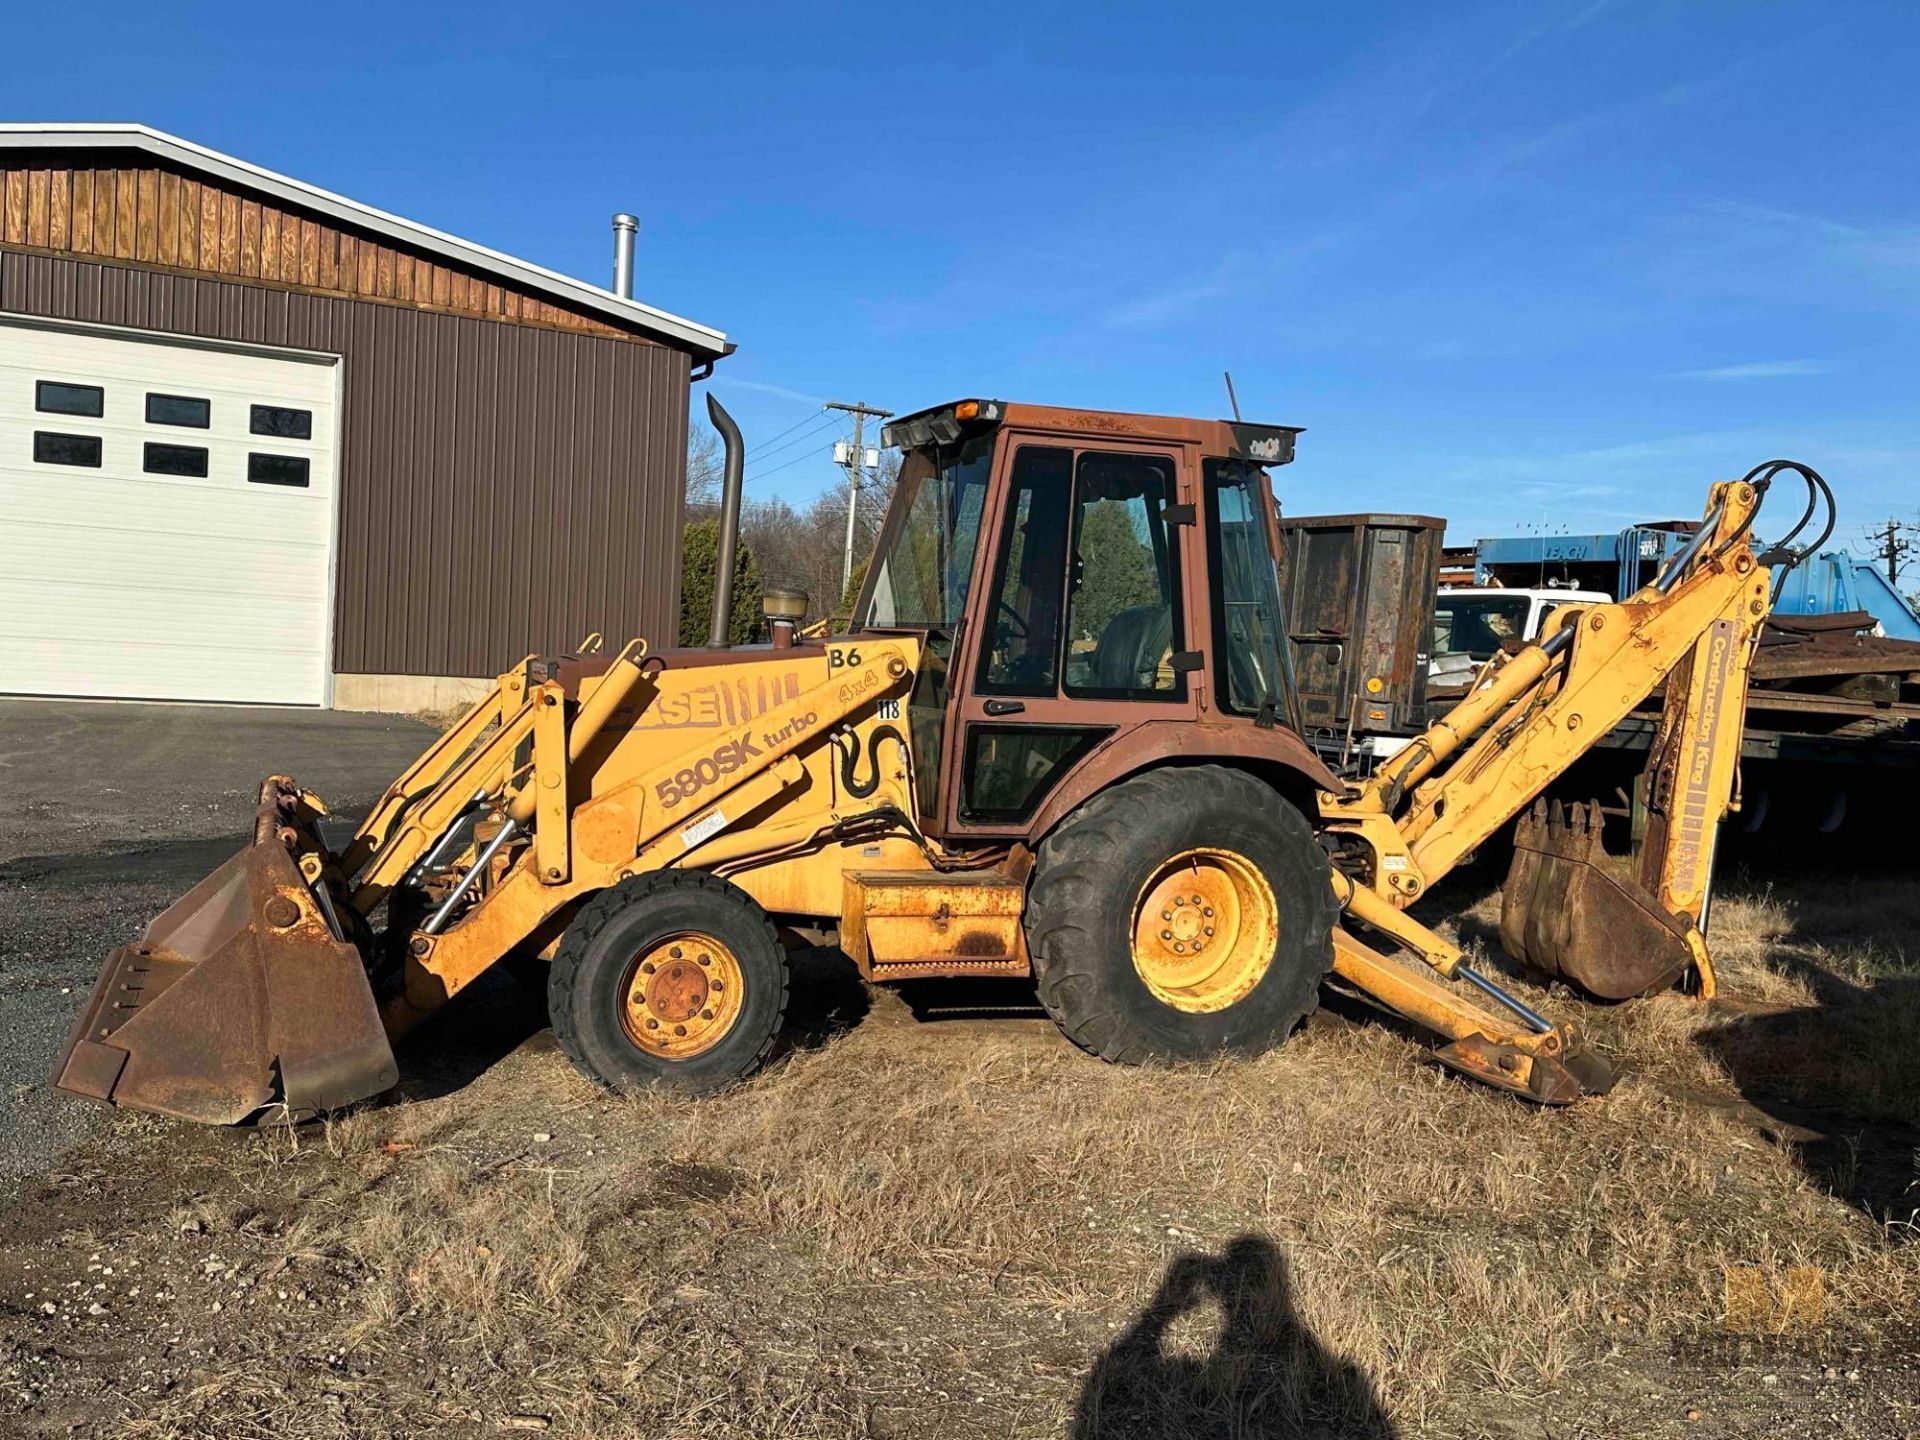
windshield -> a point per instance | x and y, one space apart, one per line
1476 624
921 576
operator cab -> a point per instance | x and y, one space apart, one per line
1081 578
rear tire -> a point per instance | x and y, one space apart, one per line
673 978
1133 865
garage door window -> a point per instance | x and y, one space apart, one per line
179 410
56 397
277 469
50 448
282 423
175 460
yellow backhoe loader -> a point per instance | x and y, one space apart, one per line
1055 742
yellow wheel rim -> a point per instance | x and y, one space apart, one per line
682 996
1205 926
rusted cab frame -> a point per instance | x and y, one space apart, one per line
1145 733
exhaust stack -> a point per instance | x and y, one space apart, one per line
625 227
729 524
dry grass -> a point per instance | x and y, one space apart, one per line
961 1229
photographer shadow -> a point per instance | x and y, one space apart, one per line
1265 1376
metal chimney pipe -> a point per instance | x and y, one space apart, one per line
729 523
625 227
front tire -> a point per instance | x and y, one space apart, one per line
1182 914
673 978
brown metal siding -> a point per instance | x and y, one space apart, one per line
83 205
504 489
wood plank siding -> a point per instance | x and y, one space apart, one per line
147 215
504 487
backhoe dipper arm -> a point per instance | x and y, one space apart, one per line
1536 713
1551 703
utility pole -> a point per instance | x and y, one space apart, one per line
1894 547
856 462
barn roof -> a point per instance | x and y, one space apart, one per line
703 341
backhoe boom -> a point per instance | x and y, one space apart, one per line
1534 714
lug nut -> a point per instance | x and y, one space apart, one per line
706 1014
653 1024
1166 934
1179 899
1209 929
717 985
706 960
1178 948
1166 914
647 968
679 1029
1208 912
675 952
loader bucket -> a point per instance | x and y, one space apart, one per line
237 1006
1576 912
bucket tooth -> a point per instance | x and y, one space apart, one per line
237 1005
1573 911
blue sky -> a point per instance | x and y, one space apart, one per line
1510 263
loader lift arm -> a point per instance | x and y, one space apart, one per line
1532 715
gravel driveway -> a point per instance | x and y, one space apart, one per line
107 814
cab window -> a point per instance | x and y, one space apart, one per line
1123 610
1247 624
1023 631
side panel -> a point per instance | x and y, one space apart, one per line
713 703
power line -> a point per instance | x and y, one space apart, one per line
824 424
804 419
819 427
803 455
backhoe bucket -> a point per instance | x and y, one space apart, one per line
238 1005
1576 912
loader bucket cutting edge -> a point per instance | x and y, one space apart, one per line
1571 910
236 1006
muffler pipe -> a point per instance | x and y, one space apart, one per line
729 524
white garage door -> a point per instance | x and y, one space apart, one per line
167 514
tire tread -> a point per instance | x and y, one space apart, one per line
1074 870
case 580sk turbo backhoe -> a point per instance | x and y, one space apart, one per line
1056 742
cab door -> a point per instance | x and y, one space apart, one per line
1083 627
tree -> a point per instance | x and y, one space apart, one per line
700 560
851 594
801 548
805 549
1117 569
706 468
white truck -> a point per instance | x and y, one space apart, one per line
1470 624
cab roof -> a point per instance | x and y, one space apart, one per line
1243 440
